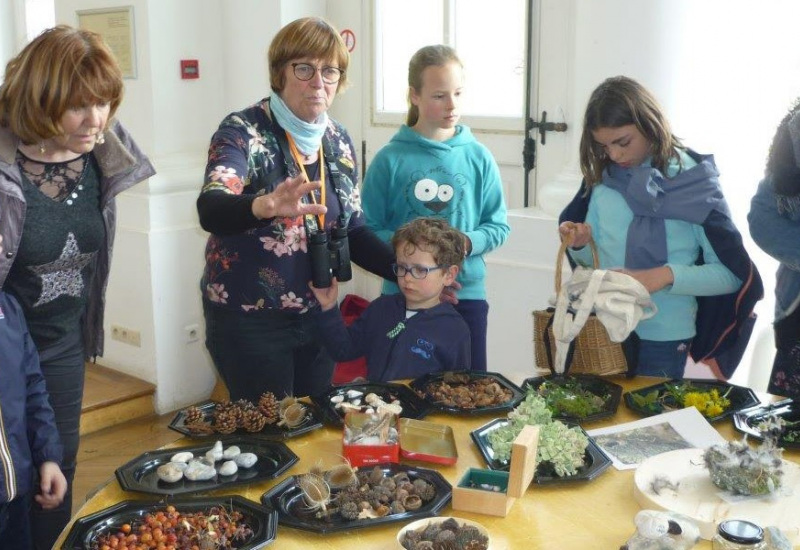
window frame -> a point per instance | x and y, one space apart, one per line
381 118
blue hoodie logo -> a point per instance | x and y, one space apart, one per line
435 192
423 348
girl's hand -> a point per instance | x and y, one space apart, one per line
52 486
449 294
287 200
577 235
652 279
326 296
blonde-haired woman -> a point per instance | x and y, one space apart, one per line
63 159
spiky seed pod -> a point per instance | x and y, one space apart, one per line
193 415
447 544
225 422
253 420
269 407
349 511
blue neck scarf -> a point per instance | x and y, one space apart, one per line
689 196
307 135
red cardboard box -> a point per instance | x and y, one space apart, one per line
368 455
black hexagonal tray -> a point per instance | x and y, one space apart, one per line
271 432
610 392
595 461
747 421
413 406
287 499
419 385
262 520
739 396
274 458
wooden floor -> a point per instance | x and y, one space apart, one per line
104 451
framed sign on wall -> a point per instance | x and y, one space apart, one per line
116 27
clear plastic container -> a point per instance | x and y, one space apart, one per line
735 534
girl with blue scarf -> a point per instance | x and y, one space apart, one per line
656 211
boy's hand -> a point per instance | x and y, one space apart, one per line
326 296
53 486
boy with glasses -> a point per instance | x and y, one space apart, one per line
412 333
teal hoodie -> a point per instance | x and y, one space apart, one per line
457 180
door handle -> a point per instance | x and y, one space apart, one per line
543 126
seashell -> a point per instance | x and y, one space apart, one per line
651 524
199 471
184 456
337 399
353 394
373 399
169 472
369 410
393 408
228 468
231 452
412 502
356 402
245 460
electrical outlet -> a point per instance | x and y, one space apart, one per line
127 335
191 333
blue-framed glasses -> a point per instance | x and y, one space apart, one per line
417 271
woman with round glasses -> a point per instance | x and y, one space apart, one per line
279 171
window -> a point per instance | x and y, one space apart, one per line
490 43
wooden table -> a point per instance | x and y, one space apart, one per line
597 514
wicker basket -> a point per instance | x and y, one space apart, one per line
592 352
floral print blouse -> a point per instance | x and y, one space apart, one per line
267 265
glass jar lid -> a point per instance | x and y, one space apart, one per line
743 532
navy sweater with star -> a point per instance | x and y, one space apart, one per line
433 340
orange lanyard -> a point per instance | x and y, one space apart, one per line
299 159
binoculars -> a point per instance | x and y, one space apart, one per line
329 257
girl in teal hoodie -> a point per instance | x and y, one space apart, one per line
434 166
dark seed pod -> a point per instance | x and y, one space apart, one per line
349 511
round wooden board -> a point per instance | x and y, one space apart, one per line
698 498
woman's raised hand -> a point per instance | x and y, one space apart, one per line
577 235
287 200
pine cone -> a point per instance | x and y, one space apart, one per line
193 415
268 406
253 420
225 422
223 406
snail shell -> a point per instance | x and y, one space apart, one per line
231 452
184 456
245 460
228 468
169 472
412 502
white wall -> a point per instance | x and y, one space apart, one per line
157 263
